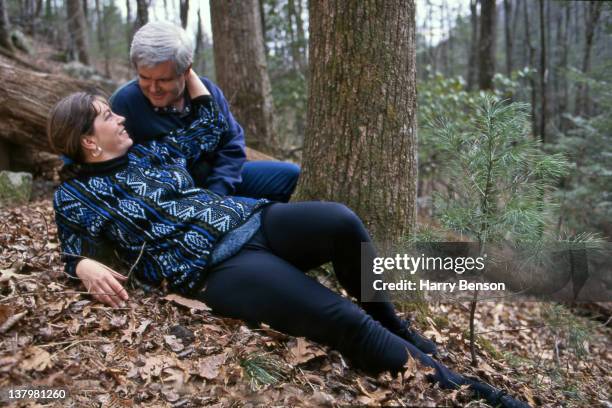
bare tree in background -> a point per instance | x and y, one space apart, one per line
473 57
240 65
531 53
102 31
199 46
508 35
593 12
5 28
184 12
543 73
360 144
129 26
78 29
486 44
142 14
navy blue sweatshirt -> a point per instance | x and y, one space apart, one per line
218 170
145 204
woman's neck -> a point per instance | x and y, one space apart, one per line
104 157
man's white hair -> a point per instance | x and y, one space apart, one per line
158 42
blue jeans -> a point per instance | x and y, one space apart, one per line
268 179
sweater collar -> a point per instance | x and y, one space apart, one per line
95 169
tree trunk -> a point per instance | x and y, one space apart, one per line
103 39
531 64
543 74
262 15
486 44
129 27
582 94
472 73
199 46
360 144
301 37
508 35
240 64
26 97
296 56
564 99
78 30
5 28
184 12
142 14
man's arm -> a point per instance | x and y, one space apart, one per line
230 157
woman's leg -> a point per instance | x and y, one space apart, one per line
309 234
258 286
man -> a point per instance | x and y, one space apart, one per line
156 103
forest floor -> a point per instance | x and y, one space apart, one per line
165 351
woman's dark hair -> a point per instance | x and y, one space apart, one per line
69 121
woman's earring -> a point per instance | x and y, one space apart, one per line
97 152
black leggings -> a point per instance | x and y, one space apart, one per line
265 282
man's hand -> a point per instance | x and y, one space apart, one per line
102 282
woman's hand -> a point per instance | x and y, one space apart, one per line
195 87
102 282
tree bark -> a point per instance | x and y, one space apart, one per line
78 29
360 144
472 73
564 99
486 44
26 97
103 39
142 14
543 74
5 28
240 64
582 94
184 12
531 64
199 46
508 35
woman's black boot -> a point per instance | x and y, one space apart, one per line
412 336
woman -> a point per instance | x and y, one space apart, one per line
244 258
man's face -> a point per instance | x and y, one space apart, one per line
161 84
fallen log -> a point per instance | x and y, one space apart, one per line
26 97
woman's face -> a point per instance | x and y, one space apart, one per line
109 133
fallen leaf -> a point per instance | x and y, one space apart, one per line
5 312
304 351
10 322
175 344
209 367
36 359
189 303
118 321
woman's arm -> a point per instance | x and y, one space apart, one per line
203 134
102 283
195 87
78 246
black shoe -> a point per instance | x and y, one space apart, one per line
501 399
495 397
412 336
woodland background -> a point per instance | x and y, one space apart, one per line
297 100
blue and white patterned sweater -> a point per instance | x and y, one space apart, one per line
146 201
